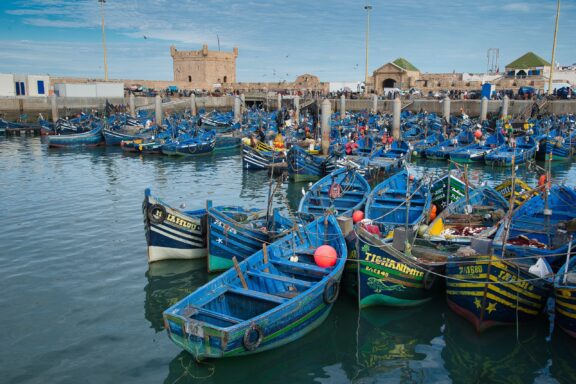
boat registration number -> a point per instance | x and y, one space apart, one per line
194 328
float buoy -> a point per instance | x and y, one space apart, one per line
325 256
357 216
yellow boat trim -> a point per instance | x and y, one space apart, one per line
565 313
565 304
493 298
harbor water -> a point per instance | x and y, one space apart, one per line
81 304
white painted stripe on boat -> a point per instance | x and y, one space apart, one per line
195 243
165 253
188 234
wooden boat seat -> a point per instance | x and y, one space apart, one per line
191 311
301 266
284 279
258 295
343 198
400 200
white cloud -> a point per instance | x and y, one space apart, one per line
517 7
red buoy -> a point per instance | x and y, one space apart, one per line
325 256
357 216
411 177
542 181
373 229
478 134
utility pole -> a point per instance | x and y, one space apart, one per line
102 2
554 49
367 8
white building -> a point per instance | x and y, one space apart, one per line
7 87
101 90
24 85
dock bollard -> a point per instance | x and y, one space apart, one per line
132 104
326 112
375 104
446 109
484 109
396 111
505 106
158 111
193 104
54 104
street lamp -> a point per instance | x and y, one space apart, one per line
554 49
367 8
104 39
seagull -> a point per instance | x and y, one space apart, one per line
303 192
145 37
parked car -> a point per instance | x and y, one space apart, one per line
565 93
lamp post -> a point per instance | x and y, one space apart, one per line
367 8
102 2
554 49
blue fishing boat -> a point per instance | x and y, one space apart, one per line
446 190
442 150
172 233
540 228
227 141
565 296
522 191
185 145
489 291
419 147
475 153
238 232
92 138
341 192
473 216
304 166
272 298
127 133
524 150
257 155
400 200
558 146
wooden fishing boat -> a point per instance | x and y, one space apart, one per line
419 147
475 153
201 144
447 190
172 233
92 138
489 291
522 191
473 216
341 192
540 228
442 150
227 141
398 201
304 166
393 275
565 296
127 133
523 151
238 232
272 298
257 155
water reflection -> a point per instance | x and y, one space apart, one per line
168 282
498 355
393 343
316 357
563 348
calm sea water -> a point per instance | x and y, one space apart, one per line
79 302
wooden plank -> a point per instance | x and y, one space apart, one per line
258 295
265 253
239 272
285 279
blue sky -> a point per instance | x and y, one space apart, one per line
278 39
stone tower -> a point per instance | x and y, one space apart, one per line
204 68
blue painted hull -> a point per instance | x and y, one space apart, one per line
303 166
282 301
171 233
91 138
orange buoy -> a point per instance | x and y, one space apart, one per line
542 180
325 256
357 216
434 208
411 177
478 134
